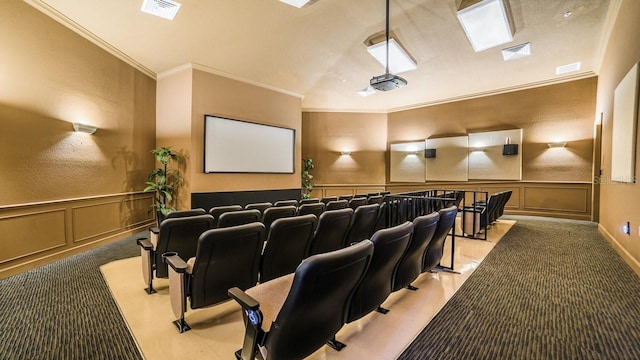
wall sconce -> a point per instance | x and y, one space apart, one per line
345 152
84 128
477 149
557 144
414 152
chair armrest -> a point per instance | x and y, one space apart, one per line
155 230
145 243
176 263
246 301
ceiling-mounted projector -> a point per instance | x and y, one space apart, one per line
387 82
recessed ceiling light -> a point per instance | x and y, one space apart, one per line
563 69
516 52
165 9
366 91
486 23
568 14
399 60
296 3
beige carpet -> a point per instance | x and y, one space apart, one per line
218 331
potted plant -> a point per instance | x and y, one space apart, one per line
164 181
307 178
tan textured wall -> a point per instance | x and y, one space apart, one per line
173 126
49 78
325 135
565 111
619 202
216 95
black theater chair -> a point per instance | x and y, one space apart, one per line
286 203
435 249
225 258
377 283
241 217
337 204
287 245
357 201
345 197
292 316
410 265
179 235
363 223
309 201
331 231
374 199
258 206
216 211
326 200
506 195
311 208
274 213
155 230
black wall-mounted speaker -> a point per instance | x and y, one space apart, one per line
510 149
429 153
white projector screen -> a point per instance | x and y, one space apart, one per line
234 146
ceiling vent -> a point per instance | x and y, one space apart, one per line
568 68
516 52
165 9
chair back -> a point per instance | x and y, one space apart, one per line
311 208
389 245
274 213
258 206
326 200
331 231
363 223
337 204
286 203
435 249
225 258
216 211
180 235
410 265
345 197
287 245
241 217
316 306
505 198
185 213
357 201
381 222
375 199
309 201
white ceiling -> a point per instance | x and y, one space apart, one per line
318 51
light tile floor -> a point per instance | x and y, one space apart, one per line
218 331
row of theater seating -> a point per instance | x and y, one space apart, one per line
288 242
491 210
292 316
179 232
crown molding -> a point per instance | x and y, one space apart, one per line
227 75
80 30
554 81
607 28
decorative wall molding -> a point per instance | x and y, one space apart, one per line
36 234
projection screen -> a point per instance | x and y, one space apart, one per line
235 146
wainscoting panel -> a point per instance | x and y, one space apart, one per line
86 227
566 199
36 234
31 233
